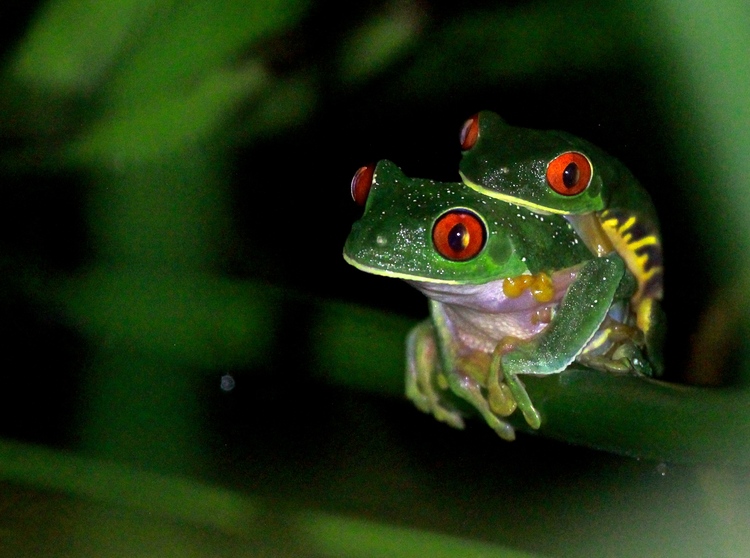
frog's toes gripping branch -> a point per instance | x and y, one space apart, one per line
508 387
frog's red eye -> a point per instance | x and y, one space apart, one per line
361 184
459 235
570 173
469 132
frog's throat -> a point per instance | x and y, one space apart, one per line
535 207
490 298
397 274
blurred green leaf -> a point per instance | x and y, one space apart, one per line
192 41
253 521
72 43
380 41
705 76
170 497
338 536
526 41
169 122
361 348
196 320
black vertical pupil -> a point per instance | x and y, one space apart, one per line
458 237
571 175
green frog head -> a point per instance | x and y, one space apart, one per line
546 171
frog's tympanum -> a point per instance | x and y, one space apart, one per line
547 253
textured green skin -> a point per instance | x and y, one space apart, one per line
393 239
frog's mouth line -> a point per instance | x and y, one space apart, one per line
536 208
397 274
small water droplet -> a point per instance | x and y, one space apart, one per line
227 383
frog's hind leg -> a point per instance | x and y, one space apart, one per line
461 382
425 382
617 348
424 377
652 320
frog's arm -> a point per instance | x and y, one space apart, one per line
577 319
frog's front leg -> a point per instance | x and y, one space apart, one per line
582 310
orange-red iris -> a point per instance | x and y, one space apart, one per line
569 174
459 235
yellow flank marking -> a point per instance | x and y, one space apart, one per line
645 241
597 341
627 247
626 225
643 314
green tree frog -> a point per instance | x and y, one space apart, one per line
555 172
514 290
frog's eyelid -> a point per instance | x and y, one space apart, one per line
469 133
361 183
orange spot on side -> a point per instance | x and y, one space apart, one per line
540 284
542 288
515 286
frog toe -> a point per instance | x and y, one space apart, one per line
451 418
532 416
504 430
500 399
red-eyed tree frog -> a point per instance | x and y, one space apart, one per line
555 172
514 288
